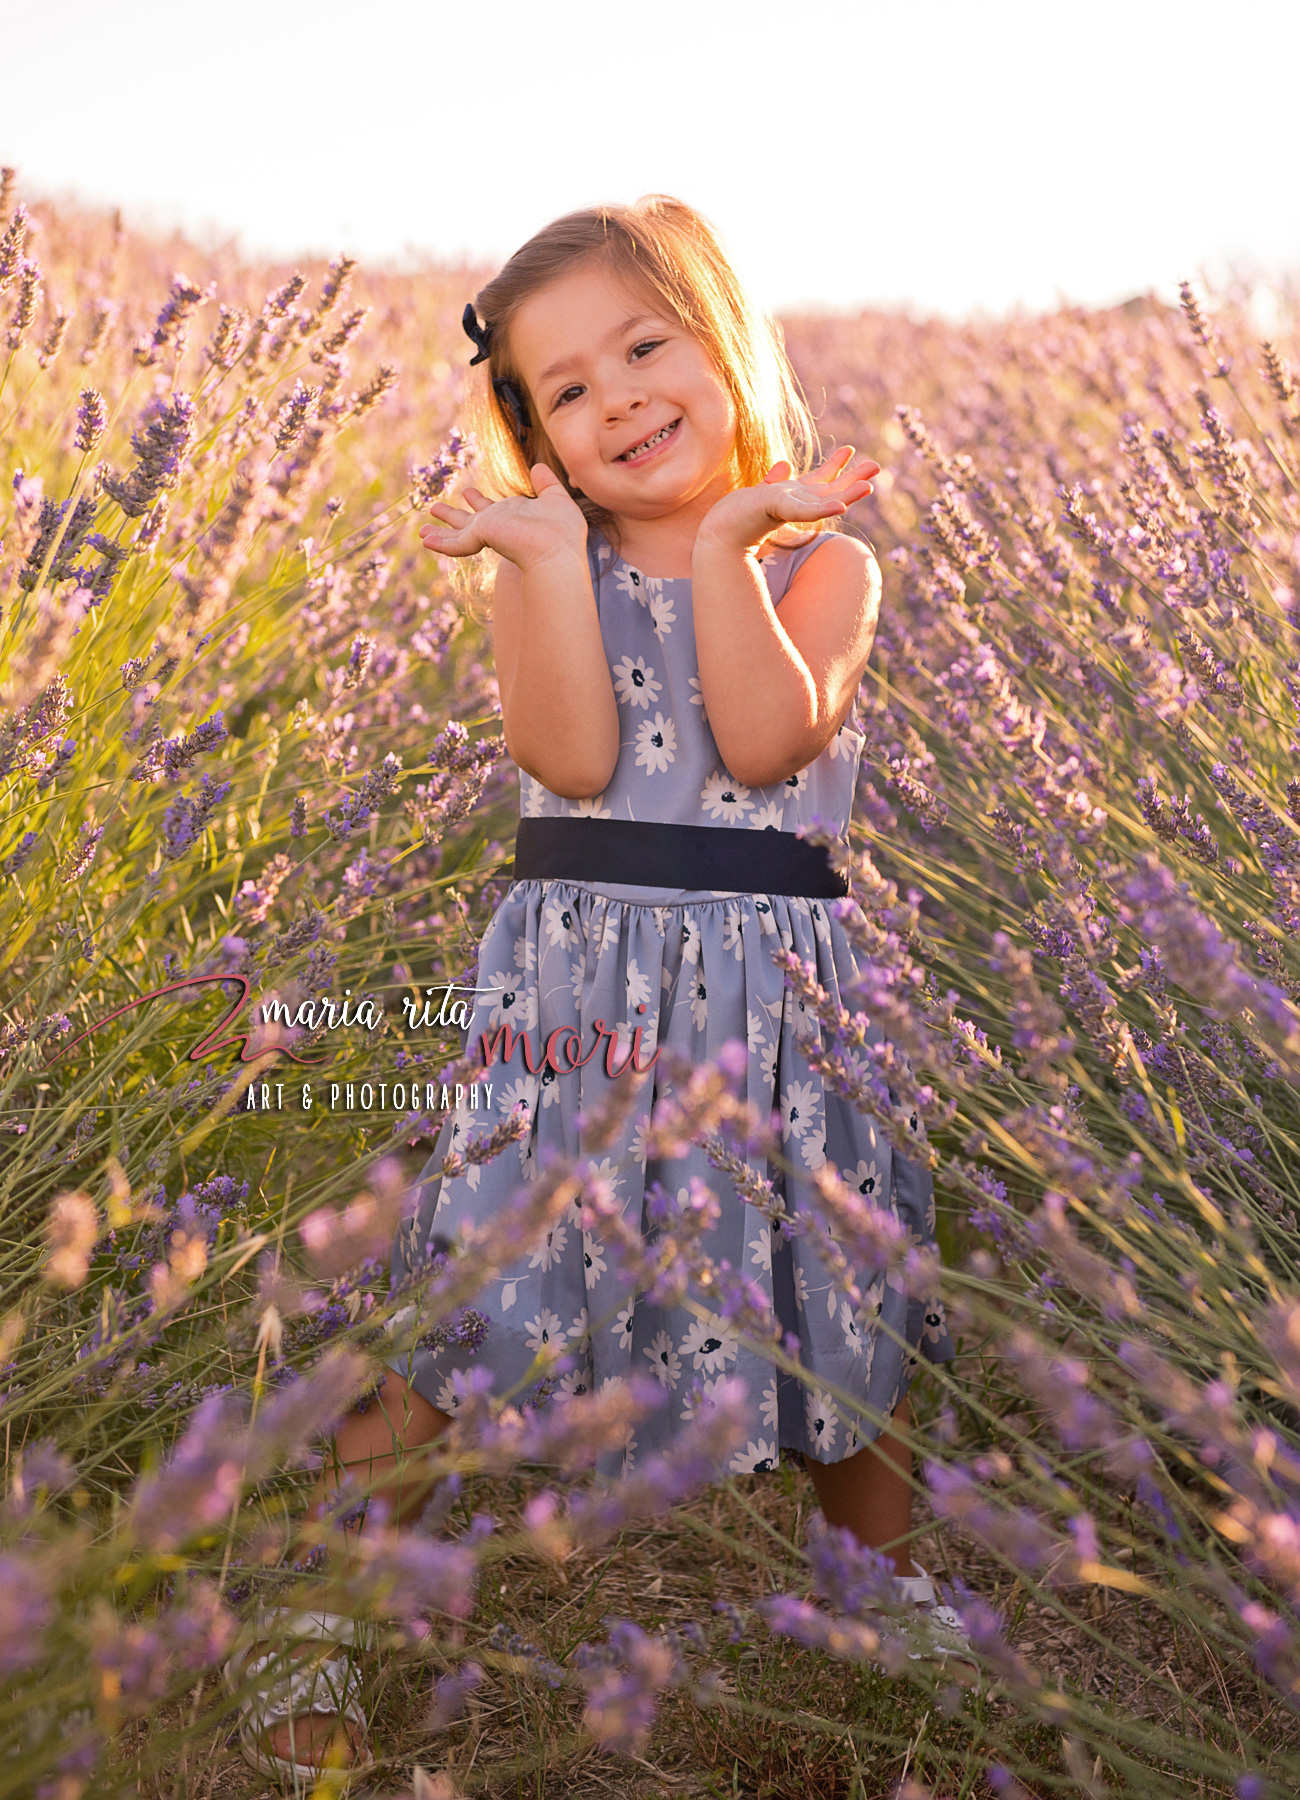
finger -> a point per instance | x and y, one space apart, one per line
833 465
780 471
450 515
451 543
474 499
797 507
544 477
860 471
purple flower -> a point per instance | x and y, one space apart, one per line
172 324
25 1610
75 866
431 480
622 1694
186 820
166 758
161 443
91 420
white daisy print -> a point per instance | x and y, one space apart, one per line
638 984
609 926
796 783
545 1333
697 698
593 1256
638 1147
701 1397
525 955
635 682
820 1410
452 1392
770 1405
607 1173
520 1092
873 1303
574 1384
516 1004
664 1360
853 1337
760 1249
756 1035
546 1254
589 809
656 744
845 743
577 981
699 1001
691 939
733 934
865 1178
768 817
663 615
580 1330
533 796
813 1150
798 1108
802 1292
821 922
637 586
724 798
755 1459
710 1343
622 1327
561 924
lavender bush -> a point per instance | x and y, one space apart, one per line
249 744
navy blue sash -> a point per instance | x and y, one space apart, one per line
644 853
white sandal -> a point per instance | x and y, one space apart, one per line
325 1684
937 1631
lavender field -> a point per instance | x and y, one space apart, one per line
249 742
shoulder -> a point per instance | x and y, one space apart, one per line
831 560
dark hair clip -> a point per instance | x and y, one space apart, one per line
509 395
478 334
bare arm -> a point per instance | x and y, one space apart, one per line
777 688
557 698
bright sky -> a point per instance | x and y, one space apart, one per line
950 155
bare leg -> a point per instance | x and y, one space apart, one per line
376 1447
869 1493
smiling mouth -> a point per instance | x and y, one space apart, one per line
638 451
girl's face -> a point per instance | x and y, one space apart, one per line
639 416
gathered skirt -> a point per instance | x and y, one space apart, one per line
694 971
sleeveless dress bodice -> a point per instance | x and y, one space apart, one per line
669 769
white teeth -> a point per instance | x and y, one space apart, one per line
649 443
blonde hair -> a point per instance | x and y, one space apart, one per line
667 250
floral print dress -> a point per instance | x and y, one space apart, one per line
694 970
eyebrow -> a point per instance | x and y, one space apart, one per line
566 362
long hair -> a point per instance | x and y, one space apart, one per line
669 252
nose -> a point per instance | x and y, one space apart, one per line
622 396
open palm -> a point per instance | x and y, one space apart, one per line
525 529
748 515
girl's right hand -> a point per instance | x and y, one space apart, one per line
526 531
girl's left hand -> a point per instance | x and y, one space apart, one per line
746 516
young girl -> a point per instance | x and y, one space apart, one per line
678 694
